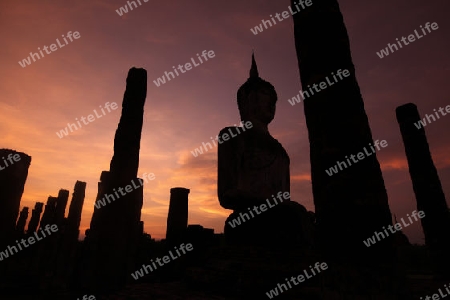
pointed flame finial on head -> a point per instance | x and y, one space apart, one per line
254 69
253 84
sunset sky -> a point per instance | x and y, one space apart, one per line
39 100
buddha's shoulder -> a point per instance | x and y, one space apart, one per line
233 132
280 146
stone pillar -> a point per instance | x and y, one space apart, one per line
427 186
61 203
66 255
352 204
76 207
114 230
35 217
177 219
20 227
125 161
13 175
33 257
48 217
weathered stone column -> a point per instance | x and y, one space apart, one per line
427 186
48 216
61 204
13 175
35 217
352 204
44 258
75 209
177 218
20 227
69 240
114 230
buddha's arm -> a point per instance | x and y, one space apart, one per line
229 159
288 179
232 194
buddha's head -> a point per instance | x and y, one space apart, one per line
256 98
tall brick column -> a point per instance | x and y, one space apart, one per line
177 219
13 175
427 186
114 230
352 204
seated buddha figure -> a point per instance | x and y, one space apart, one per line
253 171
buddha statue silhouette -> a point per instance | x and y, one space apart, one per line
253 171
